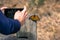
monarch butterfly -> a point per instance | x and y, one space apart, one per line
34 18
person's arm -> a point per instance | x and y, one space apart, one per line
8 26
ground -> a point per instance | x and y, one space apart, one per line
48 27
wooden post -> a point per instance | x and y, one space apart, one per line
29 29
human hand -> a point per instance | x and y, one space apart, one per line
3 8
21 16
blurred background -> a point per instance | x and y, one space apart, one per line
48 11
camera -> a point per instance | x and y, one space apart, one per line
9 12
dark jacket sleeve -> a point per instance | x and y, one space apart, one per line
8 26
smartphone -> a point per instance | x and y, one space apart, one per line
9 12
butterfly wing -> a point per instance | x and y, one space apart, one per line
34 18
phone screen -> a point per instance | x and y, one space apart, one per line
9 12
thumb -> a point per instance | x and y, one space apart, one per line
2 8
24 9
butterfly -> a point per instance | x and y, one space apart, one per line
34 18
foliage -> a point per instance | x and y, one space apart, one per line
32 3
40 2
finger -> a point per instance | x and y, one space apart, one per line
24 9
26 17
25 14
3 8
17 11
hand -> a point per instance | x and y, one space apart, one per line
3 8
21 15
